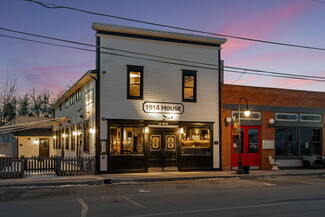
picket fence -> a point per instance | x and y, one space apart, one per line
62 166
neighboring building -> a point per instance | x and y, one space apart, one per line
298 127
76 135
27 136
147 112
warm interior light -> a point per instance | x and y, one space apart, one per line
74 133
146 130
54 137
36 142
134 75
181 130
92 130
64 135
247 113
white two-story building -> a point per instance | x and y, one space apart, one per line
152 104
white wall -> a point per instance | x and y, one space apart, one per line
162 82
27 148
73 113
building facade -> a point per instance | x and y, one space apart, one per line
152 104
157 111
284 124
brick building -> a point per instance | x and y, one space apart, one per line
285 124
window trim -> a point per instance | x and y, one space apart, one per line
189 73
134 69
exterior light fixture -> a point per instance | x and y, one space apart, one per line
54 137
36 142
146 130
181 130
227 121
240 169
271 123
92 130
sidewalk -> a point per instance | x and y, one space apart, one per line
51 179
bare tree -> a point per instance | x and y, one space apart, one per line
7 98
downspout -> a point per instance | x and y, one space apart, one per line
97 106
220 68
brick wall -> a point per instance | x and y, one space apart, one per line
230 94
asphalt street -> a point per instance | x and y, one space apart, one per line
269 196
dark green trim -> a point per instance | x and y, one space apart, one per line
189 73
268 108
134 69
97 103
220 82
157 38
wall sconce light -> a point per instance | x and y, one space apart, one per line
36 142
146 130
92 130
227 121
181 130
271 122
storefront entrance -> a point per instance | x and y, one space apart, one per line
163 150
251 147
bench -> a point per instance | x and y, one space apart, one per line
275 165
313 162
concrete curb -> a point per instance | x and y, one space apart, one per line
169 179
99 180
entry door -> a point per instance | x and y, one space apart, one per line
163 150
251 147
44 148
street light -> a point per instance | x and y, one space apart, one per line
246 113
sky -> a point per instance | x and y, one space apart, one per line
55 68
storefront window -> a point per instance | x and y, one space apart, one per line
196 141
126 140
287 141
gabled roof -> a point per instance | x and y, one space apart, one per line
90 74
157 33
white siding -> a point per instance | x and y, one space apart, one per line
162 82
74 113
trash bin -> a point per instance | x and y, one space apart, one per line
246 169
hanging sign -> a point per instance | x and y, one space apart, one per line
161 107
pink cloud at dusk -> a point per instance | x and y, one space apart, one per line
265 28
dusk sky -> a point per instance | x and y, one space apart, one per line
54 68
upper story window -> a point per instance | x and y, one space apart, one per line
72 99
78 95
189 86
66 103
135 82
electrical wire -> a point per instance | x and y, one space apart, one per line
138 53
45 4
255 72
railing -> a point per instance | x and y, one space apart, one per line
63 166
70 166
11 168
40 164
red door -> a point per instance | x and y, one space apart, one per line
251 147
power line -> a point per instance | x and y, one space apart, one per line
45 4
256 72
138 53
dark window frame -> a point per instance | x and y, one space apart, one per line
134 69
189 73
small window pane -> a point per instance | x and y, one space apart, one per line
188 93
189 81
135 90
